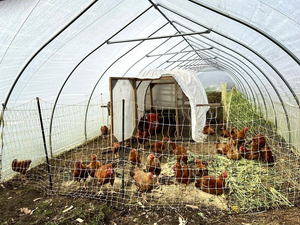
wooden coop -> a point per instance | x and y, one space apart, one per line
164 102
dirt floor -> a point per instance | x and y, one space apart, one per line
23 205
34 203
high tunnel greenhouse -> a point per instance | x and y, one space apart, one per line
68 68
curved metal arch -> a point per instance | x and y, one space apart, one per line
235 41
109 68
287 117
158 58
250 26
250 77
103 43
37 52
231 65
229 69
156 7
239 83
149 53
245 80
230 49
234 77
241 62
242 85
170 64
245 46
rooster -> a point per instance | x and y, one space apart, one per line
21 167
241 136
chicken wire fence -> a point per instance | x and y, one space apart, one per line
250 185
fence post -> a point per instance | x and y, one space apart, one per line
123 151
44 140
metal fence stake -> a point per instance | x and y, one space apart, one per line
45 146
123 151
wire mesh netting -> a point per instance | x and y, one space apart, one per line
120 175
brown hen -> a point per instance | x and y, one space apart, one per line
153 166
212 185
180 152
134 157
183 174
105 174
21 167
80 172
158 147
143 180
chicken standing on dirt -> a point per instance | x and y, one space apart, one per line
21 167
104 131
143 180
180 152
94 165
208 129
158 147
153 166
183 174
212 185
201 169
141 137
106 174
225 133
115 148
80 172
134 157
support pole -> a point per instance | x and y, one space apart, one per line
123 151
45 146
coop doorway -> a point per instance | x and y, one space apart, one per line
172 96
165 99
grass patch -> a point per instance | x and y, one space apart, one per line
253 185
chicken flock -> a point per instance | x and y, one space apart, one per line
147 178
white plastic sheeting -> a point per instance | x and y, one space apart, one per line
57 50
212 79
